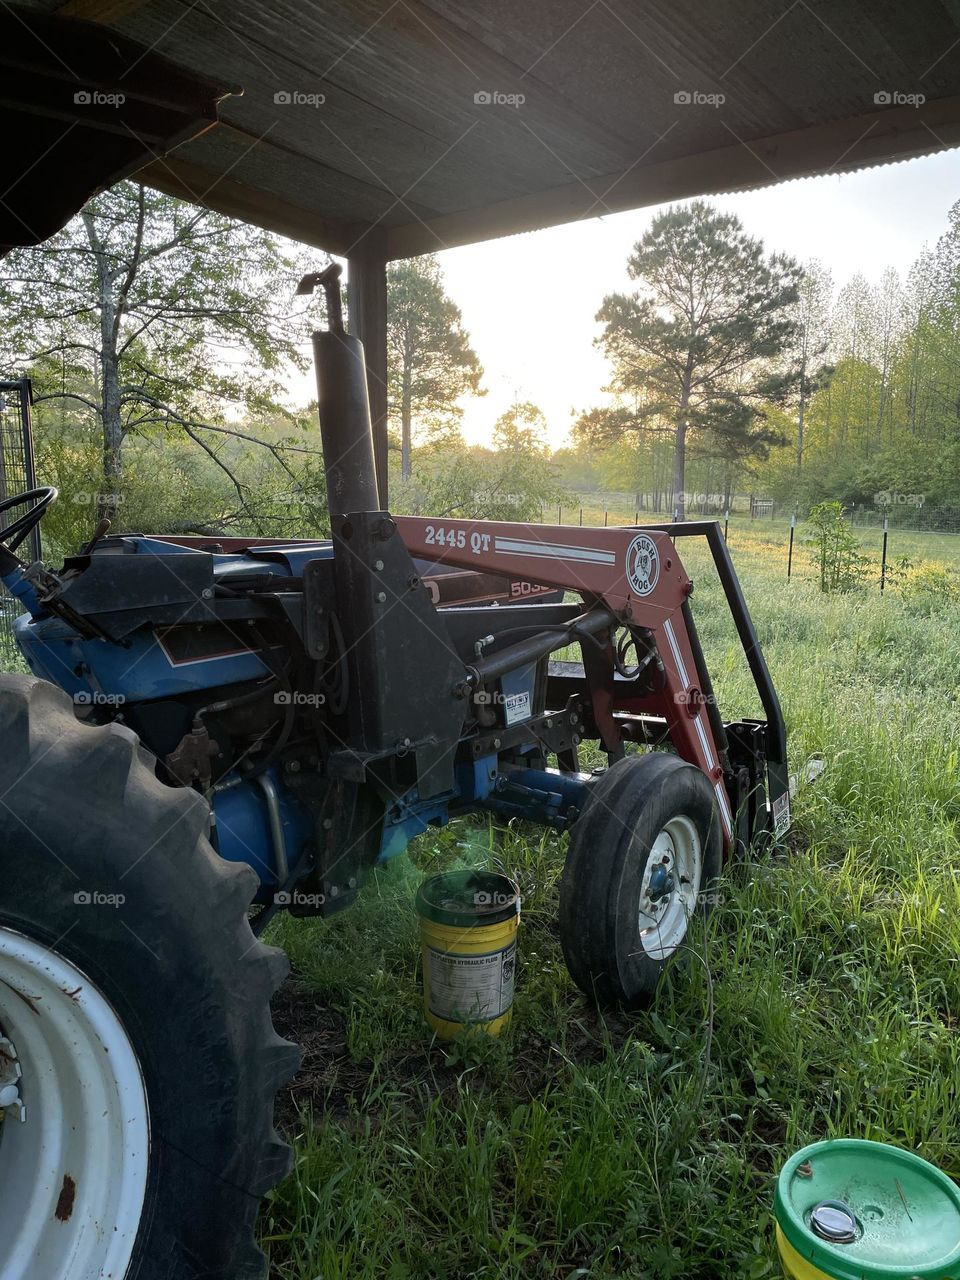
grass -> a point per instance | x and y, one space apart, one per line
642 1146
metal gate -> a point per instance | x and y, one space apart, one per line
17 474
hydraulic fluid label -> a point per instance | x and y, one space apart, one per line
471 988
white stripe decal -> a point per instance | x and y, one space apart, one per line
724 808
677 656
553 551
704 741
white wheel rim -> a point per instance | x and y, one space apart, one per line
675 857
73 1171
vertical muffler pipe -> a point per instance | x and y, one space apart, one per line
345 431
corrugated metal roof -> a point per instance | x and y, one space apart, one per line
374 113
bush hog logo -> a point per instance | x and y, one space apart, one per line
643 565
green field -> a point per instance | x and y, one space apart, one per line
774 535
822 1000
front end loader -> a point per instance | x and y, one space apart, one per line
215 724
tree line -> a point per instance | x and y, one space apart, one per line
160 338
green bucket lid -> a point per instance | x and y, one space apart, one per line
468 898
861 1210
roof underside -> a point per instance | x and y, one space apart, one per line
360 127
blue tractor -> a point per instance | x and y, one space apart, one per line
217 731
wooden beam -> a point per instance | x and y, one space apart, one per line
367 285
189 181
878 137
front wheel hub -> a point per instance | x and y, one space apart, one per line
662 883
668 896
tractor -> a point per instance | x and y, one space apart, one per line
215 730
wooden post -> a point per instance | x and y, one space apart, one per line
367 300
793 526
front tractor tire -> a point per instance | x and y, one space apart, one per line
138 1059
641 859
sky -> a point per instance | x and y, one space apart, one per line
529 301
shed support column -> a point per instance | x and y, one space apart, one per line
367 298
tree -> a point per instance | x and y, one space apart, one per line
155 315
809 344
430 363
521 430
840 562
698 341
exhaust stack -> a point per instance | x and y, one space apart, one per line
345 431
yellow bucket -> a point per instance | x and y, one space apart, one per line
468 943
794 1266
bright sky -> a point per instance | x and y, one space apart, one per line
529 301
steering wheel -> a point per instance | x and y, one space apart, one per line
15 532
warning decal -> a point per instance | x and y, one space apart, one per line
781 814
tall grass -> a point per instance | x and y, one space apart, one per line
645 1146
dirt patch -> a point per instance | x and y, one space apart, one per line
328 1078
331 1082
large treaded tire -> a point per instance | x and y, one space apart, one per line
82 812
610 849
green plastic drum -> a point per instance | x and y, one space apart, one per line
855 1210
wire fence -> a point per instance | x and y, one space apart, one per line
907 512
783 521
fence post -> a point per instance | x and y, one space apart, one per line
726 523
793 525
559 513
581 517
883 556
605 519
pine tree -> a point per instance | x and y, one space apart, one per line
700 340
430 363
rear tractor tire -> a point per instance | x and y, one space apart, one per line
641 859
138 1060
